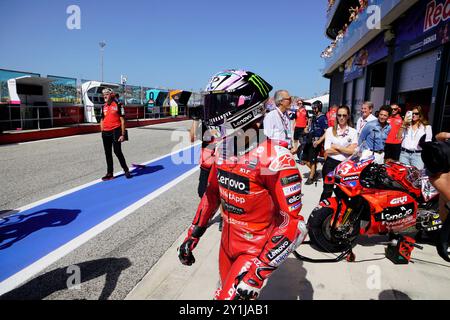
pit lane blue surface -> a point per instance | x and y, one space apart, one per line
30 235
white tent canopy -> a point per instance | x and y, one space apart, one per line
325 99
91 92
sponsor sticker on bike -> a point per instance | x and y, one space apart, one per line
350 178
395 213
401 200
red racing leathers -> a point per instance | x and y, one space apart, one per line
260 194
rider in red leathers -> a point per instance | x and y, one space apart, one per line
257 183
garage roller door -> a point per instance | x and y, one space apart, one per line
418 73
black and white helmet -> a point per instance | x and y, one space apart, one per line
234 99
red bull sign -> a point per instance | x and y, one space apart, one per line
436 14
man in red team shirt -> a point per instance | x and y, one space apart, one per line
301 122
112 125
257 183
331 115
393 146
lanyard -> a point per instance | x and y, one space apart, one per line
362 125
285 123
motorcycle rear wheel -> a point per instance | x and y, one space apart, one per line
321 235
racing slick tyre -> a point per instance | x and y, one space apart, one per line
320 233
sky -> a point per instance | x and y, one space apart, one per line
169 44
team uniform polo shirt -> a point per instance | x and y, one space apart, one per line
344 138
111 116
396 123
301 121
331 117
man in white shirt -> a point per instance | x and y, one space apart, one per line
277 125
366 116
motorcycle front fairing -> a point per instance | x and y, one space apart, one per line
390 211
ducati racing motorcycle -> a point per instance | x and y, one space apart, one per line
372 199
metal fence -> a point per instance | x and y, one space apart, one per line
23 117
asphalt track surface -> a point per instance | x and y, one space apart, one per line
115 260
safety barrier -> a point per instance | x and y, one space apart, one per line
26 117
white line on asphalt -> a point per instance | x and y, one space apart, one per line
47 140
62 194
33 269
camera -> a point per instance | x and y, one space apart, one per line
436 156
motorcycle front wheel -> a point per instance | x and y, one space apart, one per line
321 235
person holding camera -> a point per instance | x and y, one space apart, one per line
112 126
436 158
413 129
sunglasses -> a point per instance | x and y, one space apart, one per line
416 113
342 115
290 99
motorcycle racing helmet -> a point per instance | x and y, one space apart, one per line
317 104
233 100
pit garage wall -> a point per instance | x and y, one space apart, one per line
336 85
412 50
421 57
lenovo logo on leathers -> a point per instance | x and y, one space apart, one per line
233 182
275 252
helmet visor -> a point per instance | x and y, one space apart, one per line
218 107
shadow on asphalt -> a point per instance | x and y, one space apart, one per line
140 171
393 295
60 279
17 227
4 214
367 241
288 283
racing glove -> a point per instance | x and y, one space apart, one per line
249 283
185 251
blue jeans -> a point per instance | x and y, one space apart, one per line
412 159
